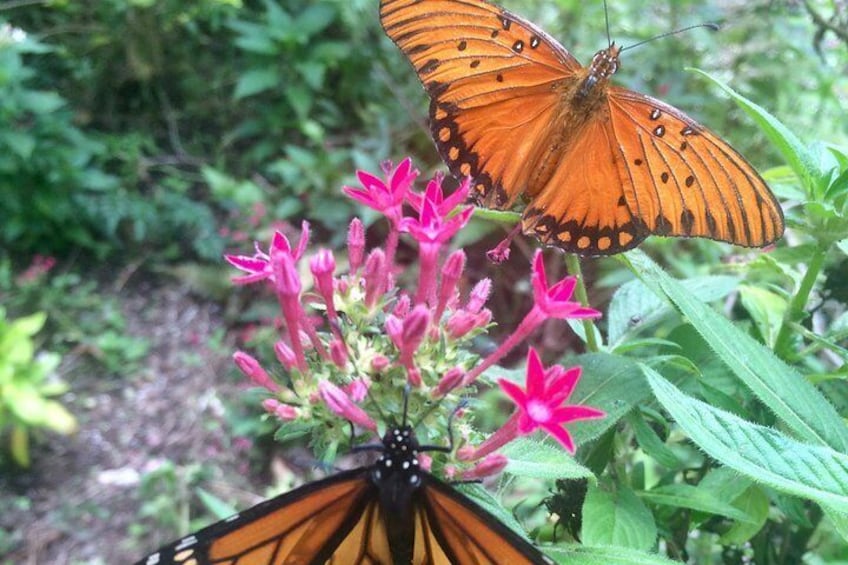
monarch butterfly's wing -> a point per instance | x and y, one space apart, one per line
452 529
334 520
683 180
490 76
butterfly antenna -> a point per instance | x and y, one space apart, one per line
606 17
405 403
712 26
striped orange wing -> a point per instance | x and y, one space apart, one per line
491 78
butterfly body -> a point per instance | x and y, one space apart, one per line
391 513
601 167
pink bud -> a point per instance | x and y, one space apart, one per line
375 277
394 329
460 323
379 363
402 306
285 355
340 404
413 377
282 411
286 277
451 273
338 353
449 381
490 465
465 453
479 295
358 389
252 370
415 328
425 461
355 244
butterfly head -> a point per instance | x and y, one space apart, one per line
605 62
399 460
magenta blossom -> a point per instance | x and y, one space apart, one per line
435 194
539 404
342 405
259 265
387 196
549 302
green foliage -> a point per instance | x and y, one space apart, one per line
27 383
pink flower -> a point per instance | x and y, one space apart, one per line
540 403
259 266
341 404
251 368
434 225
322 266
490 465
549 302
387 196
282 411
435 194
355 244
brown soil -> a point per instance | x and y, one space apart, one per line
80 501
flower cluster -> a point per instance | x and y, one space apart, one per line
357 346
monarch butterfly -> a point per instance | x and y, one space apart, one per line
601 166
392 512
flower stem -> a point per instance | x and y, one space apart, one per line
572 264
795 312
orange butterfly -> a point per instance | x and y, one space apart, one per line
602 167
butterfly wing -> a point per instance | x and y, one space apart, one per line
492 78
683 180
452 529
335 520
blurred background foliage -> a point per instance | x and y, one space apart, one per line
141 137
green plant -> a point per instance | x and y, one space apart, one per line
27 383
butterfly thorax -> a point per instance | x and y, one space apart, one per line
604 65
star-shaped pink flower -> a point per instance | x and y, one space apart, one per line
259 267
387 196
555 301
539 404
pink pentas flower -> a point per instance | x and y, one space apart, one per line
342 405
433 225
540 402
387 196
555 301
435 194
258 267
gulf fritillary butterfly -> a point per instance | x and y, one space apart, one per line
602 167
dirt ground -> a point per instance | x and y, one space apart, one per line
80 501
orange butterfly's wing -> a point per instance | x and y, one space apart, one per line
451 528
680 179
492 78
321 522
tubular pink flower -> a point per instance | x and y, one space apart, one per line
387 196
462 322
549 302
338 353
355 244
287 283
259 266
358 389
501 437
449 381
490 465
282 411
435 194
379 363
251 368
340 404
285 355
479 295
539 404
376 281
414 331
451 273
322 265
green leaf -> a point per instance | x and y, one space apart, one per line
531 458
314 19
766 309
58 419
19 445
793 149
755 503
41 102
216 506
256 81
780 387
766 456
634 306
651 443
618 518
595 555
694 498
609 382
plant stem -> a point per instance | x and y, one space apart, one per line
795 311
572 264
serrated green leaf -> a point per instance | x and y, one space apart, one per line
289 431
618 518
531 458
793 149
766 309
694 498
597 555
765 455
634 305
651 443
779 386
